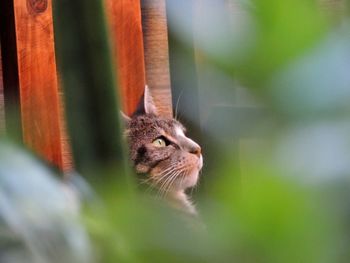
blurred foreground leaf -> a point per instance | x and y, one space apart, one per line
90 96
39 220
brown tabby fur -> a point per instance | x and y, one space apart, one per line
171 169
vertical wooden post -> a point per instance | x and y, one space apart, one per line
126 31
38 88
155 37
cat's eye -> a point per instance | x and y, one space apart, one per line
159 142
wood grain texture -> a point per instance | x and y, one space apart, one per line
67 158
155 35
126 32
38 79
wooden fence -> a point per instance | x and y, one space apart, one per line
30 97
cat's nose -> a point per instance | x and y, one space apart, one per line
196 149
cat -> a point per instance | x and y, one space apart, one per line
159 148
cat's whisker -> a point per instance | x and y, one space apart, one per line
145 181
161 176
177 103
171 166
152 184
175 167
168 182
149 179
155 180
180 174
157 175
166 172
162 185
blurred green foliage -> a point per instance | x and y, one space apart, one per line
284 31
85 62
282 200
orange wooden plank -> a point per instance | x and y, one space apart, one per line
126 31
38 86
155 35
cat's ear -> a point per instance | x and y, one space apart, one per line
126 119
150 107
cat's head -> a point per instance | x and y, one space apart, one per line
160 149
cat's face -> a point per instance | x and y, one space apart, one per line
159 147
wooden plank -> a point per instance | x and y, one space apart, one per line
67 158
126 30
38 86
155 35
